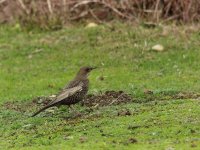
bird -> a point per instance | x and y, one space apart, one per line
72 93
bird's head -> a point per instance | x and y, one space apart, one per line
84 71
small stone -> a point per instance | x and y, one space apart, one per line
158 48
91 25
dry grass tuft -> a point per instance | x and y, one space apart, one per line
53 14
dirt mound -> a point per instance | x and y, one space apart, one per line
106 99
103 99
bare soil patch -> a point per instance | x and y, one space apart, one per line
103 99
106 99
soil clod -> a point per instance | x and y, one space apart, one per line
124 113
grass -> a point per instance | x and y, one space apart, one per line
40 63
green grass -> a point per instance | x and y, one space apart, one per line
40 63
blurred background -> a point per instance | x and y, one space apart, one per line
54 14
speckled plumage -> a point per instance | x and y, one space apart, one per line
79 95
74 92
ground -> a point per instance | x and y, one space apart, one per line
162 111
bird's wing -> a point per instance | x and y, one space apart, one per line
72 84
63 95
67 93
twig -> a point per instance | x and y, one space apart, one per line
64 5
150 11
2 1
116 99
95 17
83 3
96 105
115 10
83 14
23 6
171 18
49 6
156 12
102 3
168 7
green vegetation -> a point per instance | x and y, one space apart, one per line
40 63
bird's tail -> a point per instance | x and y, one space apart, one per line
42 109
